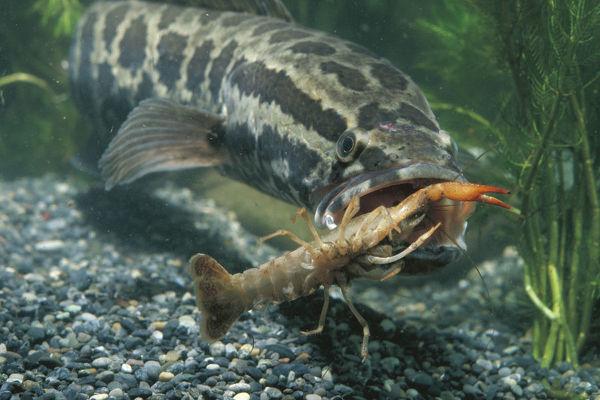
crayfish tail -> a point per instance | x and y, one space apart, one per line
217 296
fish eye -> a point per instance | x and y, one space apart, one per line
346 147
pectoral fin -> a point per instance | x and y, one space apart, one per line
161 135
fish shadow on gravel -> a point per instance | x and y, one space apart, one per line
412 344
140 221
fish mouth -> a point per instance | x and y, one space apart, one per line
390 187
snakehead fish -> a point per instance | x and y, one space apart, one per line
297 113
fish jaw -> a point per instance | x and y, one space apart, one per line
389 187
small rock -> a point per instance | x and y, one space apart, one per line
99 396
217 349
273 393
165 376
187 322
230 351
239 387
241 396
37 334
313 397
49 245
152 368
73 308
126 368
101 362
116 393
16 378
517 390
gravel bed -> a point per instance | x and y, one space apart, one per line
95 302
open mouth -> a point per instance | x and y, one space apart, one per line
389 188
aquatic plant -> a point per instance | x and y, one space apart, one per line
40 126
539 61
553 54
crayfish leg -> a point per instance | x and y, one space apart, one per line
323 315
351 211
302 213
364 348
292 236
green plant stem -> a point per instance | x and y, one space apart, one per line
593 242
575 259
25 78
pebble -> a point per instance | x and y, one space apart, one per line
242 396
152 368
16 378
217 349
101 362
165 376
273 393
126 368
313 397
49 245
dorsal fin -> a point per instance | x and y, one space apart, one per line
270 8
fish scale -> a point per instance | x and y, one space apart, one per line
269 102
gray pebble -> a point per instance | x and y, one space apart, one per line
101 362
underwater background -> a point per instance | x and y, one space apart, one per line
96 301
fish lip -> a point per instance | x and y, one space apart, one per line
376 180
433 257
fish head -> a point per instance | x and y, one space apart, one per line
383 166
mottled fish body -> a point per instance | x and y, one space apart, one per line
300 114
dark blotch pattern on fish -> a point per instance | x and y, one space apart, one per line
348 77
219 65
255 79
168 16
145 89
372 114
269 26
312 47
372 157
170 50
106 80
287 35
197 67
389 77
133 45
268 148
413 114
113 19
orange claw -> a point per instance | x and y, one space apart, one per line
463 191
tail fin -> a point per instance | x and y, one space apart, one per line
217 297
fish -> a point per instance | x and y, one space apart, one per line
300 114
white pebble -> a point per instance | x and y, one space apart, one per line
17 378
126 368
99 396
187 321
213 366
49 245
217 349
157 336
243 396
313 397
